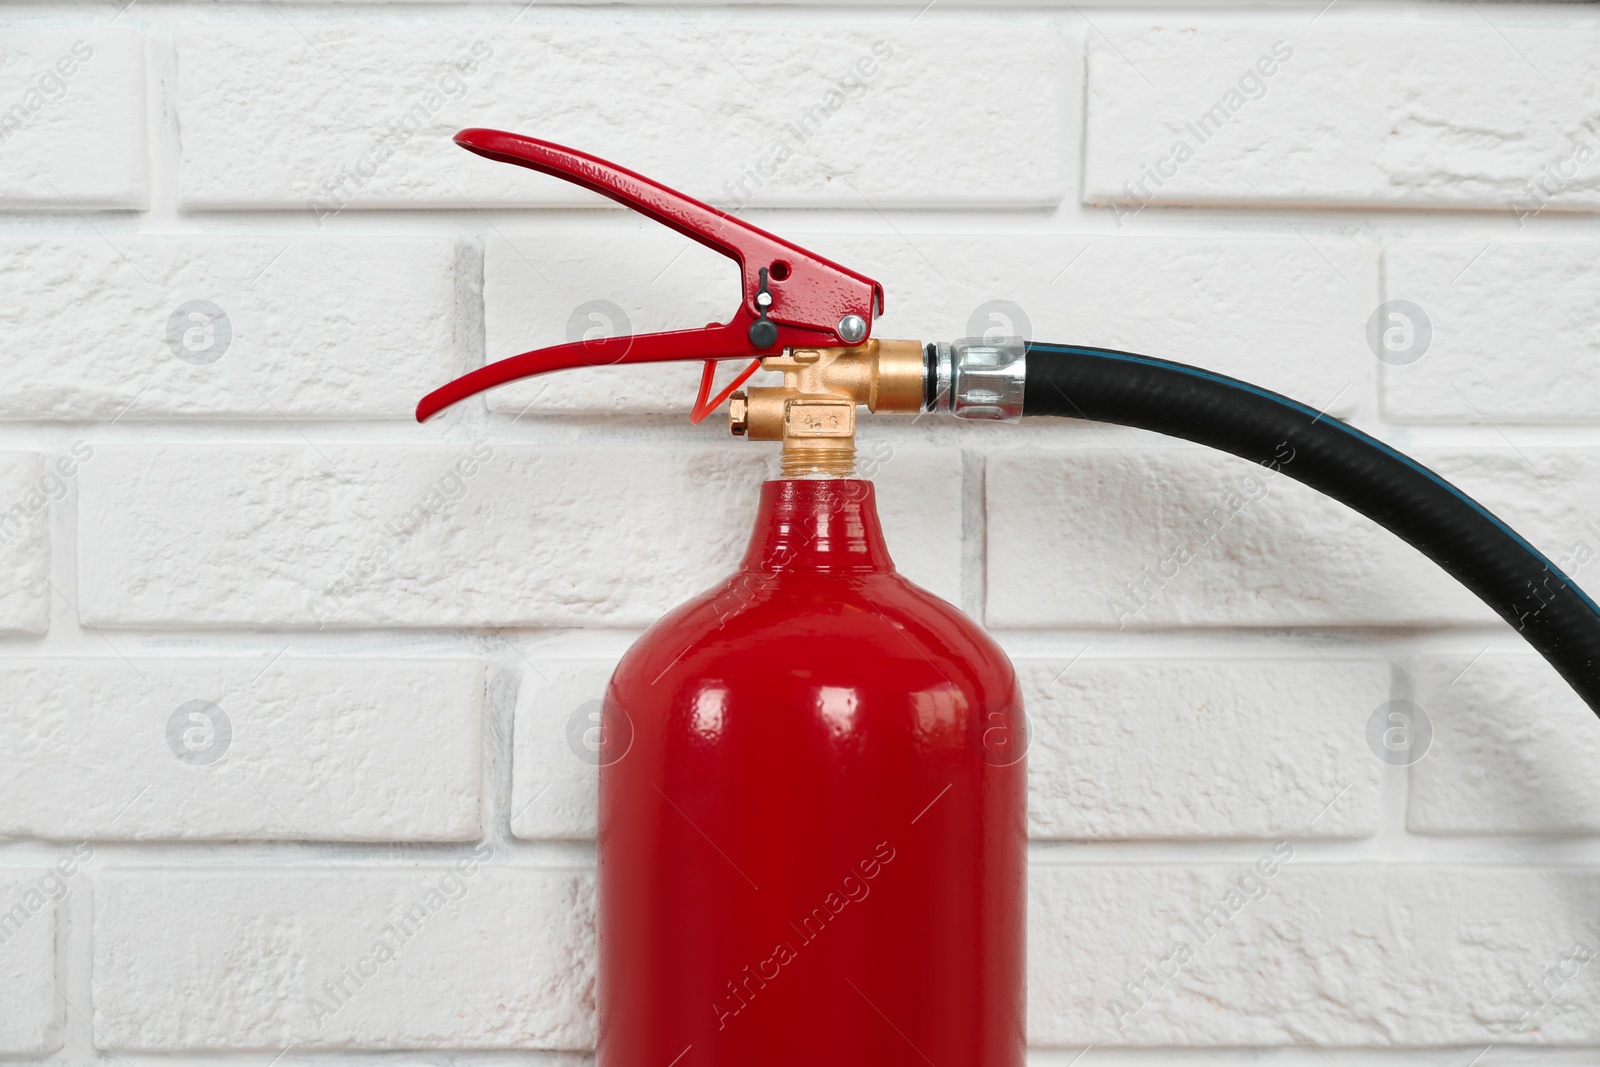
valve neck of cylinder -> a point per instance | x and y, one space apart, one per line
821 525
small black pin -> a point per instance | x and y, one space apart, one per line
763 332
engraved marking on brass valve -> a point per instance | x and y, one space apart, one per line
820 418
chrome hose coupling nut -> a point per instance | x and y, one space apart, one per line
978 378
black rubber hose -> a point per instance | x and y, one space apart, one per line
1388 487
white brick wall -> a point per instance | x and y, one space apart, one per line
906 134
285 677
31 483
72 117
1471 380
478 956
28 933
1275 951
156 327
346 749
1461 115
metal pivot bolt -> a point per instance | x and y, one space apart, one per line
852 328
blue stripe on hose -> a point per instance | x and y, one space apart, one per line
1316 416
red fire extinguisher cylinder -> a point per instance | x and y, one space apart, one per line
812 841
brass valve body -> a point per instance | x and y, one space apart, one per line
814 412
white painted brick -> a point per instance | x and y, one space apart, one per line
246 535
919 502
72 119
238 959
1192 749
1513 749
552 771
1331 955
28 484
353 328
1374 113
697 107
1274 312
31 1021
1285 555
1516 332
323 749
535 536
1288 557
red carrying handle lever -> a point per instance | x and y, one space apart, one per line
790 298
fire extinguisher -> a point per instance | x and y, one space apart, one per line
812 841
